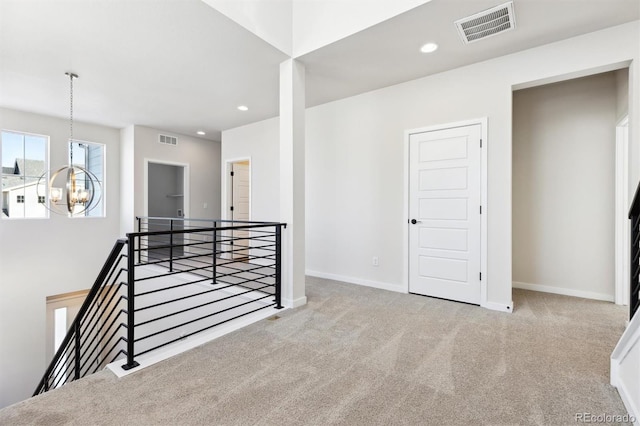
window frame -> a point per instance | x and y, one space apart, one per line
47 159
102 181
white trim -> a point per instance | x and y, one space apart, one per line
358 281
187 174
563 291
498 307
483 122
292 304
621 211
630 338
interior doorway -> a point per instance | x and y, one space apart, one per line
568 183
61 310
167 193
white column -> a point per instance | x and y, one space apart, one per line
292 114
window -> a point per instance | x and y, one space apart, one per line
90 156
41 199
24 159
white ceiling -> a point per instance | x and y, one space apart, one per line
181 66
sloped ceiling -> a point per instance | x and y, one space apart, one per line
182 66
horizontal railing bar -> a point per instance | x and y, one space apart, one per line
187 231
182 298
200 318
206 328
173 287
199 306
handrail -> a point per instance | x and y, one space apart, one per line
86 305
634 265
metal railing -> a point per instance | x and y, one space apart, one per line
95 337
176 278
190 275
634 265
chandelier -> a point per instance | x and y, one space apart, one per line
71 189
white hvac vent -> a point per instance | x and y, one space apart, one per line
487 23
168 140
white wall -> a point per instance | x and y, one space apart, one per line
269 20
45 257
317 23
260 142
622 95
563 187
297 27
202 156
355 148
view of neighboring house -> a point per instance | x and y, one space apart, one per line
20 189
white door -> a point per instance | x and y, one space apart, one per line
240 205
444 208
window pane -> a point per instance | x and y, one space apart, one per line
24 160
90 156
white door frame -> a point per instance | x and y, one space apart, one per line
226 186
483 199
186 176
621 213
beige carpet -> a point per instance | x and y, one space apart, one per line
359 356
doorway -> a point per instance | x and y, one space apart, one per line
239 205
445 197
166 197
565 187
61 310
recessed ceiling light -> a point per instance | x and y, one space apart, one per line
429 48
201 133
243 108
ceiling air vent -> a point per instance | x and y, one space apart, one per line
167 140
487 23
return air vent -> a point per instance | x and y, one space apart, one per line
168 140
487 23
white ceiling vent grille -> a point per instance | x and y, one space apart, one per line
487 23
168 140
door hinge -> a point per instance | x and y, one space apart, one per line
232 173
480 143
231 208
480 276
480 209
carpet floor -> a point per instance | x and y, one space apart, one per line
360 356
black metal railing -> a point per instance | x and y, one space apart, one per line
95 337
191 275
634 265
177 277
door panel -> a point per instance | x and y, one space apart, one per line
444 199
241 205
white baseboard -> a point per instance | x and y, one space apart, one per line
358 281
498 306
290 303
563 291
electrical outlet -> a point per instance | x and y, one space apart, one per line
375 261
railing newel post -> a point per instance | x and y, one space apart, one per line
278 265
215 253
130 304
139 230
171 246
